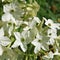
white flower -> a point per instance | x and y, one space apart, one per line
34 21
39 36
57 25
18 41
37 44
8 28
51 41
4 40
51 24
56 52
8 7
52 33
7 17
26 34
49 55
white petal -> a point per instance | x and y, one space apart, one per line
16 44
51 41
25 22
57 25
22 47
37 19
24 34
4 41
52 33
36 50
7 17
18 41
35 42
26 28
10 30
17 35
32 24
49 21
37 45
8 7
1 50
38 36
1 32
56 52
49 55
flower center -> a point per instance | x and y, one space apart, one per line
22 39
49 24
50 34
11 11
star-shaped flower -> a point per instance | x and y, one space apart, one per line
4 40
38 45
7 17
52 34
18 41
51 54
7 8
51 24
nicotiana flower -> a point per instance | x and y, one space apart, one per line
34 21
37 44
28 36
51 54
4 40
51 41
7 17
52 34
57 52
8 28
51 24
19 41
57 25
7 8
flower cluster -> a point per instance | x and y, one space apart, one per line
18 30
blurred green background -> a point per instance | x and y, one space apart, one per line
49 9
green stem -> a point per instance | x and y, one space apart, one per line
26 57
